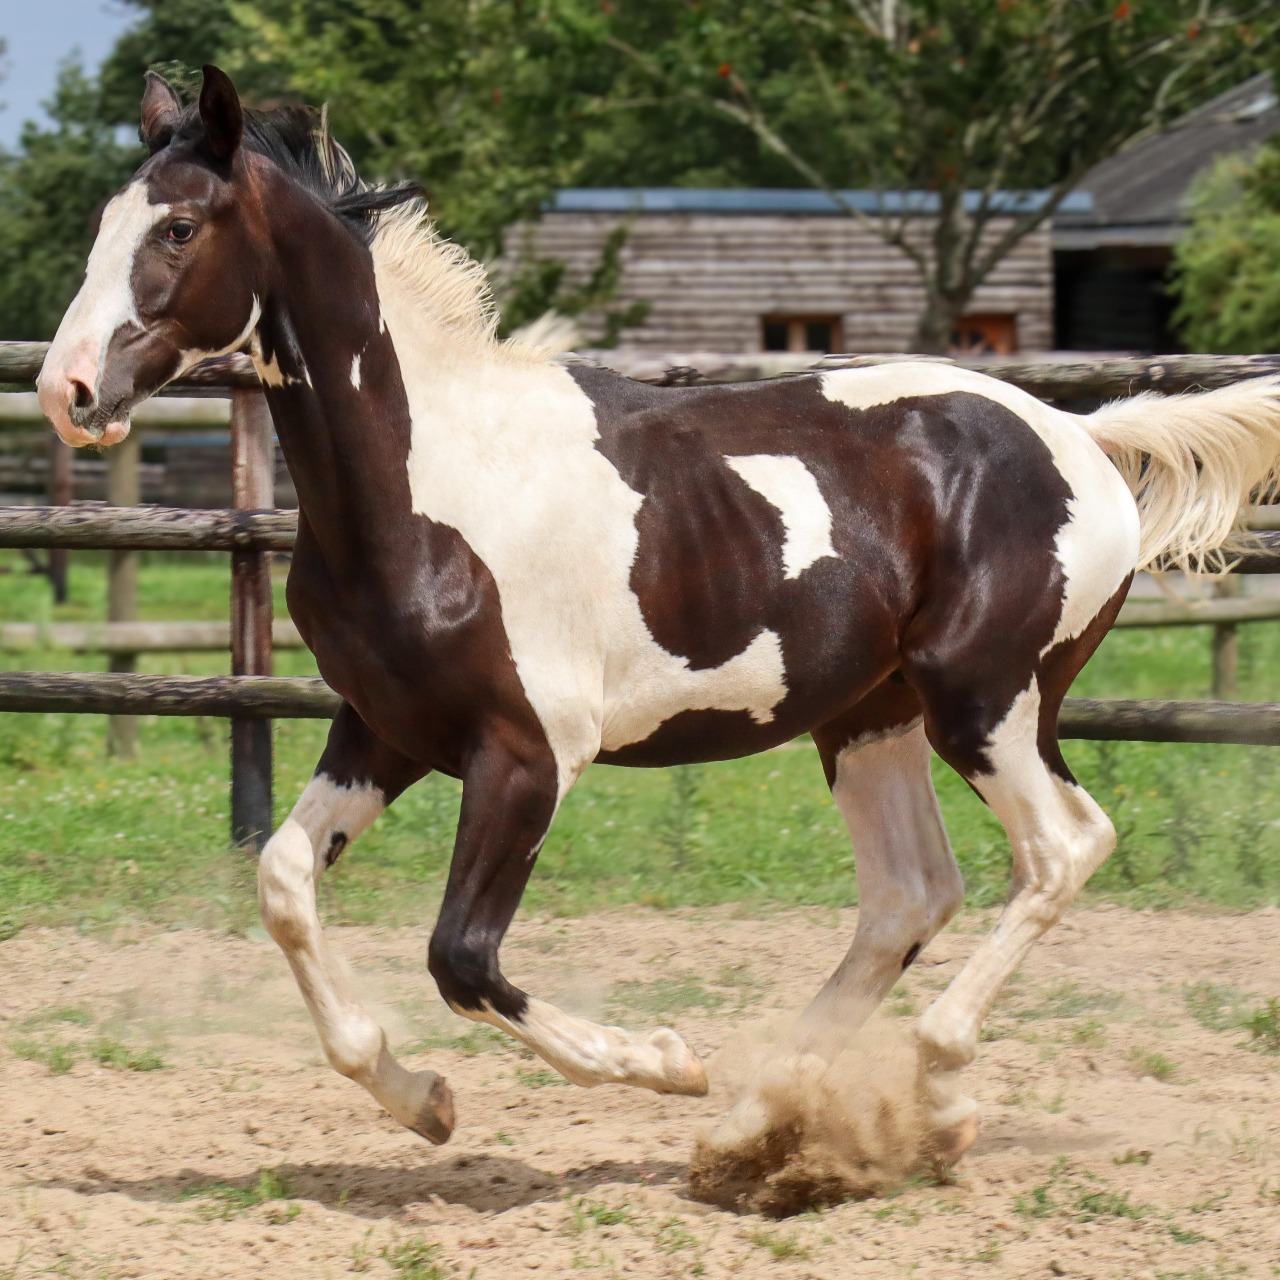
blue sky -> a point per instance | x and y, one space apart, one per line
39 34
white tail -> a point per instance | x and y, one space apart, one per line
1192 461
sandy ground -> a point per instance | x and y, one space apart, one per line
1087 1164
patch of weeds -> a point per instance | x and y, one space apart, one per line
990 1252
1263 1026
413 1259
1214 1006
67 1015
779 1245
1212 1205
1090 1034
1132 1157
279 1216
1147 1062
673 1236
1182 1236
226 1199
1067 1000
540 1078
1039 1202
900 1003
59 1056
503 1138
664 997
908 1215
475 1040
119 1057
1105 1203
584 1213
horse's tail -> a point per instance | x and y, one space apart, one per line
1192 461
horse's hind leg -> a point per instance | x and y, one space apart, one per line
908 883
357 777
1059 837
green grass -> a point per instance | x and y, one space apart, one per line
414 1259
118 1056
90 841
227 1199
1147 1062
59 1056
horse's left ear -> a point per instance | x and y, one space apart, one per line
221 114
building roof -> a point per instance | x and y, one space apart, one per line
748 200
1139 195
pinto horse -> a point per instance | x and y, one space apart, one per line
510 566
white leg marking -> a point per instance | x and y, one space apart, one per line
588 1054
908 883
1059 836
290 868
789 485
355 371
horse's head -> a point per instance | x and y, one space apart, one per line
176 271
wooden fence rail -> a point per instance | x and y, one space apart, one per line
275 697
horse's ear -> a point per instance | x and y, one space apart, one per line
161 109
221 114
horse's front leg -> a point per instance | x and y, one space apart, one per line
357 777
509 797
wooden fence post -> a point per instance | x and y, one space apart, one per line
253 486
1226 643
123 490
60 493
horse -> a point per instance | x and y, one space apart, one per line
510 565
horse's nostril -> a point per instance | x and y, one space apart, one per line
81 397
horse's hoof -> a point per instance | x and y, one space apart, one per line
950 1143
434 1116
682 1070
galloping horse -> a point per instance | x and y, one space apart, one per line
510 566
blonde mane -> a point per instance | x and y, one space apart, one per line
445 281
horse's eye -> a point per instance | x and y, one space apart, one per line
180 232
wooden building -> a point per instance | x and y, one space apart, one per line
753 270
1112 255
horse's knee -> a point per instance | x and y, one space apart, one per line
466 971
286 886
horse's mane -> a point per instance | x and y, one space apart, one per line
391 220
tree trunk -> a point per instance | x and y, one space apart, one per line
935 326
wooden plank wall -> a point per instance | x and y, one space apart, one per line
711 277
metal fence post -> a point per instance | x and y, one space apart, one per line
123 490
253 486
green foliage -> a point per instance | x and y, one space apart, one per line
414 1259
1227 266
1263 1026
49 190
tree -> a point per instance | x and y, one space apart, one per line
49 190
964 100
1227 267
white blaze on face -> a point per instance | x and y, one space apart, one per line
104 303
787 484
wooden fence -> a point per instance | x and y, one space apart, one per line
250 697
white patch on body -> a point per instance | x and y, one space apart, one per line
355 371
1097 547
269 371
503 450
787 484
